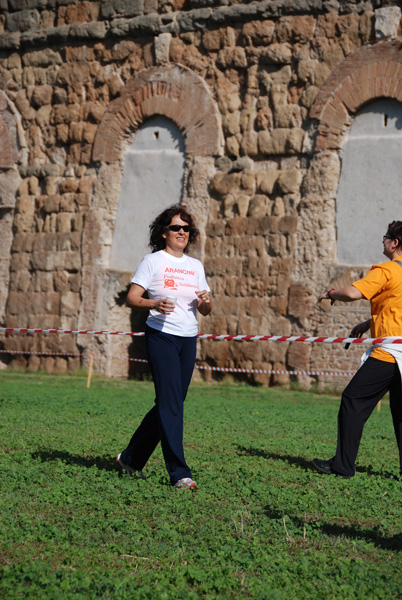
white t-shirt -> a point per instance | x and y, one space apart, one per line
162 275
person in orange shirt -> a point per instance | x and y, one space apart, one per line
381 369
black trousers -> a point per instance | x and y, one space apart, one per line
370 383
171 359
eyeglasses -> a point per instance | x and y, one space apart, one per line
176 228
386 237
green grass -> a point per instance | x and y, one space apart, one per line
263 524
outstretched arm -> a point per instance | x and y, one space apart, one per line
345 294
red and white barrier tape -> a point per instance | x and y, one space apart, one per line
40 353
216 337
200 367
276 371
70 331
262 371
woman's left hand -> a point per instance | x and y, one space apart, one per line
203 296
204 302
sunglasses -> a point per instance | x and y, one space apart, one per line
176 228
386 237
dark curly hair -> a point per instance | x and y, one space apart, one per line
158 226
394 231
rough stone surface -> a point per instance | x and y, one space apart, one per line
264 94
162 48
387 22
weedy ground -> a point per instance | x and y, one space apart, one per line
262 525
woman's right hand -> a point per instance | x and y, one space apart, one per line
164 306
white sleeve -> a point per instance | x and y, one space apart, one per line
144 274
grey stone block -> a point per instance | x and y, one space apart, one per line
88 31
150 24
196 19
39 171
387 21
16 5
42 58
223 163
23 21
126 8
58 34
10 41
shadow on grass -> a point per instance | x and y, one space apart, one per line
305 464
104 463
292 460
370 535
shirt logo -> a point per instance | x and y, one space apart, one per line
181 271
170 283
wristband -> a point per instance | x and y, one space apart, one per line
329 293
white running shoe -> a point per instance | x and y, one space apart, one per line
187 483
129 470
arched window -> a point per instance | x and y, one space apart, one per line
152 180
170 119
369 193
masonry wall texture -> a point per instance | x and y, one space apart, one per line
264 93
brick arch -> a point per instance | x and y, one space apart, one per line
172 91
369 73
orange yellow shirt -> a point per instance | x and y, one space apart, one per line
383 287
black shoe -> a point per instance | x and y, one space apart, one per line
325 467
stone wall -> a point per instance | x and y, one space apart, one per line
274 87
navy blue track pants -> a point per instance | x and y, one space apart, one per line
367 387
171 359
